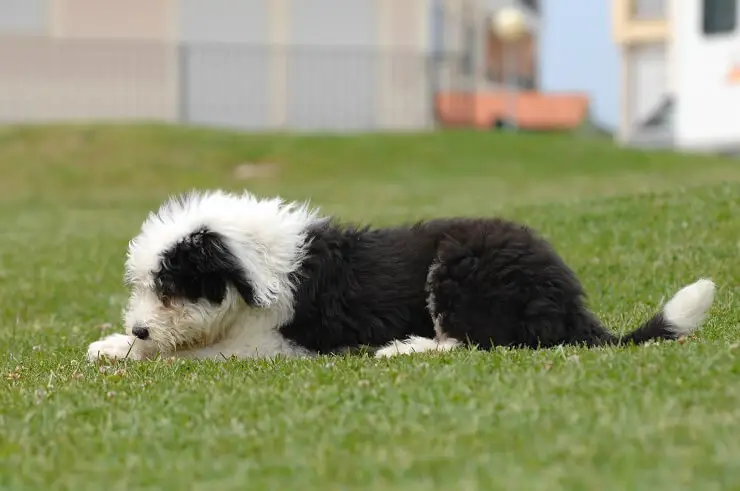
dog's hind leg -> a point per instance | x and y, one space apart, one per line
506 287
416 344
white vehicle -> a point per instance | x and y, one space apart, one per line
681 73
706 55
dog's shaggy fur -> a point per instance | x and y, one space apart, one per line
214 275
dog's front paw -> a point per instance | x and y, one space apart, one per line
113 347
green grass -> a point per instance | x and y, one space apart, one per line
634 225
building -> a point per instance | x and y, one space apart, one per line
248 64
502 85
318 65
526 53
680 73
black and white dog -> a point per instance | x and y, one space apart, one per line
215 275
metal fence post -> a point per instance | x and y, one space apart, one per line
183 83
432 87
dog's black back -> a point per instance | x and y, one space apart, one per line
359 286
487 281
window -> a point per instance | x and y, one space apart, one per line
648 9
502 69
719 16
533 5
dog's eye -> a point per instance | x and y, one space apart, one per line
166 301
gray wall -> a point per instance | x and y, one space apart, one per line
224 62
23 16
332 76
224 21
327 71
330 64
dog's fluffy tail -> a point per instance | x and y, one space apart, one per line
681 315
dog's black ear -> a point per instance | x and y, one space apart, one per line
201 265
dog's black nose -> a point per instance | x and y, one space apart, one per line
140 332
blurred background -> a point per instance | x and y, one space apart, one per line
650 72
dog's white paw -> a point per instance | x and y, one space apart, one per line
415 344
393 349
113 347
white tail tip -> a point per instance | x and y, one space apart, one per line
688 308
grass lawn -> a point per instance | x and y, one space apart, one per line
635 226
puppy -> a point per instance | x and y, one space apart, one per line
214 275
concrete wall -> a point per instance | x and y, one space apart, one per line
113 19
225 67
24 17
45 79
404 98
260 64
127 72
332 70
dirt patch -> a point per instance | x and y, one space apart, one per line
256 170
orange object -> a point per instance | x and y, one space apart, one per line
534 110
733 76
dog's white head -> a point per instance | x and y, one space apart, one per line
205 260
